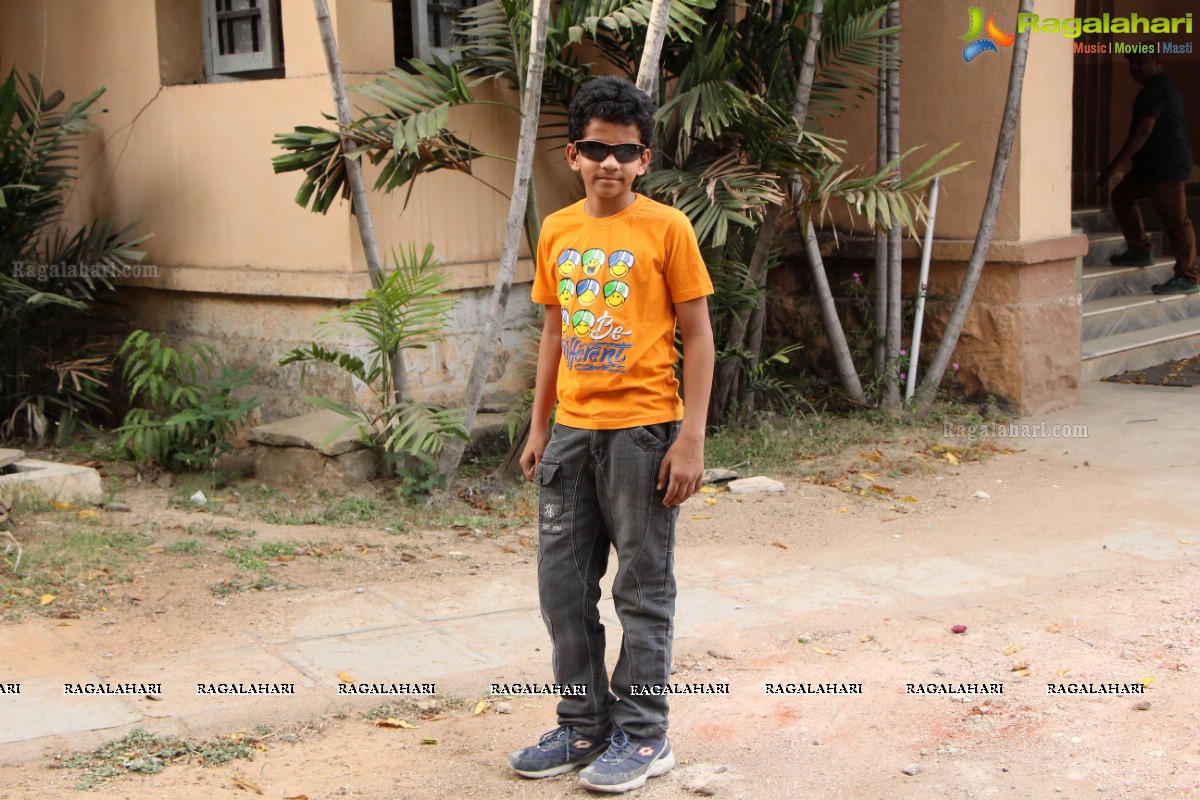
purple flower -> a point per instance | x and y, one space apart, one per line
903 376
857 278
955 365
903 352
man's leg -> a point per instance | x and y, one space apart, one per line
572 557
1170 201
643 532
1124 203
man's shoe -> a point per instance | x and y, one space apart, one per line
561 750
1177 285
627 763
1133 257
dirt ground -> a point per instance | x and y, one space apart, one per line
1128 620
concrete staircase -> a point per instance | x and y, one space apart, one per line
1125 325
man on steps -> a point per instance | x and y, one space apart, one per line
1155 162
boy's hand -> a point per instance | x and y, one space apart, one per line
682 469
535 445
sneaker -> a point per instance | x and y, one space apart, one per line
1133 257
561 750
628 763
1177 285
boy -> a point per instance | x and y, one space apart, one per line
616 272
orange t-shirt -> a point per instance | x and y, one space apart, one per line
616 280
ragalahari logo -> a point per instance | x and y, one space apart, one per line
992 35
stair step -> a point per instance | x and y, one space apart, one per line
1107 316
1112 355
1109 281
1103 245
1094 219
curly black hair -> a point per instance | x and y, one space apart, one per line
613 100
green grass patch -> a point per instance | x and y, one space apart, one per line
189 547
67 565
141 753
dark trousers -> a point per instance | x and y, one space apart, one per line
598 492
1170 202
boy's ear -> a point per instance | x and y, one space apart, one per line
644 162
572 157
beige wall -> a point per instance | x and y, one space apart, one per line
967 106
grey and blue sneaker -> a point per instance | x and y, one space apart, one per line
561 750
627 763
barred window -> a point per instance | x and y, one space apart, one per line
242 38
422 28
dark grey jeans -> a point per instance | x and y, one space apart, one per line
598 490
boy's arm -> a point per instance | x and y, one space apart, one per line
545 388
682 467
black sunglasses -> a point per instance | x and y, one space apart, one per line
598 151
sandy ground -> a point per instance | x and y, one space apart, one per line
1099 587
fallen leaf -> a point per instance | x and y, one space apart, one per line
868 475
700 516
709 489
480 707
1022 672
842 509
525 541
908 498
950 457
87 513
1146 681
1062 673
1186 541
1053 627
63 506
151 550
247 785
1016 648
296 797
866 637
427 740
508 548
1021 665
345 677
780 545
821 651
285 557
47 599
392 722
712 501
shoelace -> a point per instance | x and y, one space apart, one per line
552 739
618 749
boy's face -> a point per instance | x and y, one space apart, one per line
608 183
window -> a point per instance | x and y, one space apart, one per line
242 39
422 28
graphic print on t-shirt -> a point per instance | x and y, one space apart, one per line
594 340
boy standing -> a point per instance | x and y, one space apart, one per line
616 272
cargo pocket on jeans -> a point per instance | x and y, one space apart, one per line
550 498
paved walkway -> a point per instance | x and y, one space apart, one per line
463 643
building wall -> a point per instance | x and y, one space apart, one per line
240 265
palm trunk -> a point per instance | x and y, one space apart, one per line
879 275
656 33
829 318
987 223
354 176
768 233
894 238
485 350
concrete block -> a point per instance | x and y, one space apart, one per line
10 457
52 481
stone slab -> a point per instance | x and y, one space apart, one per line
41 709
759 483
309 431
10 457
512 637
65 483
340 612
930 577
401 656
500 593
